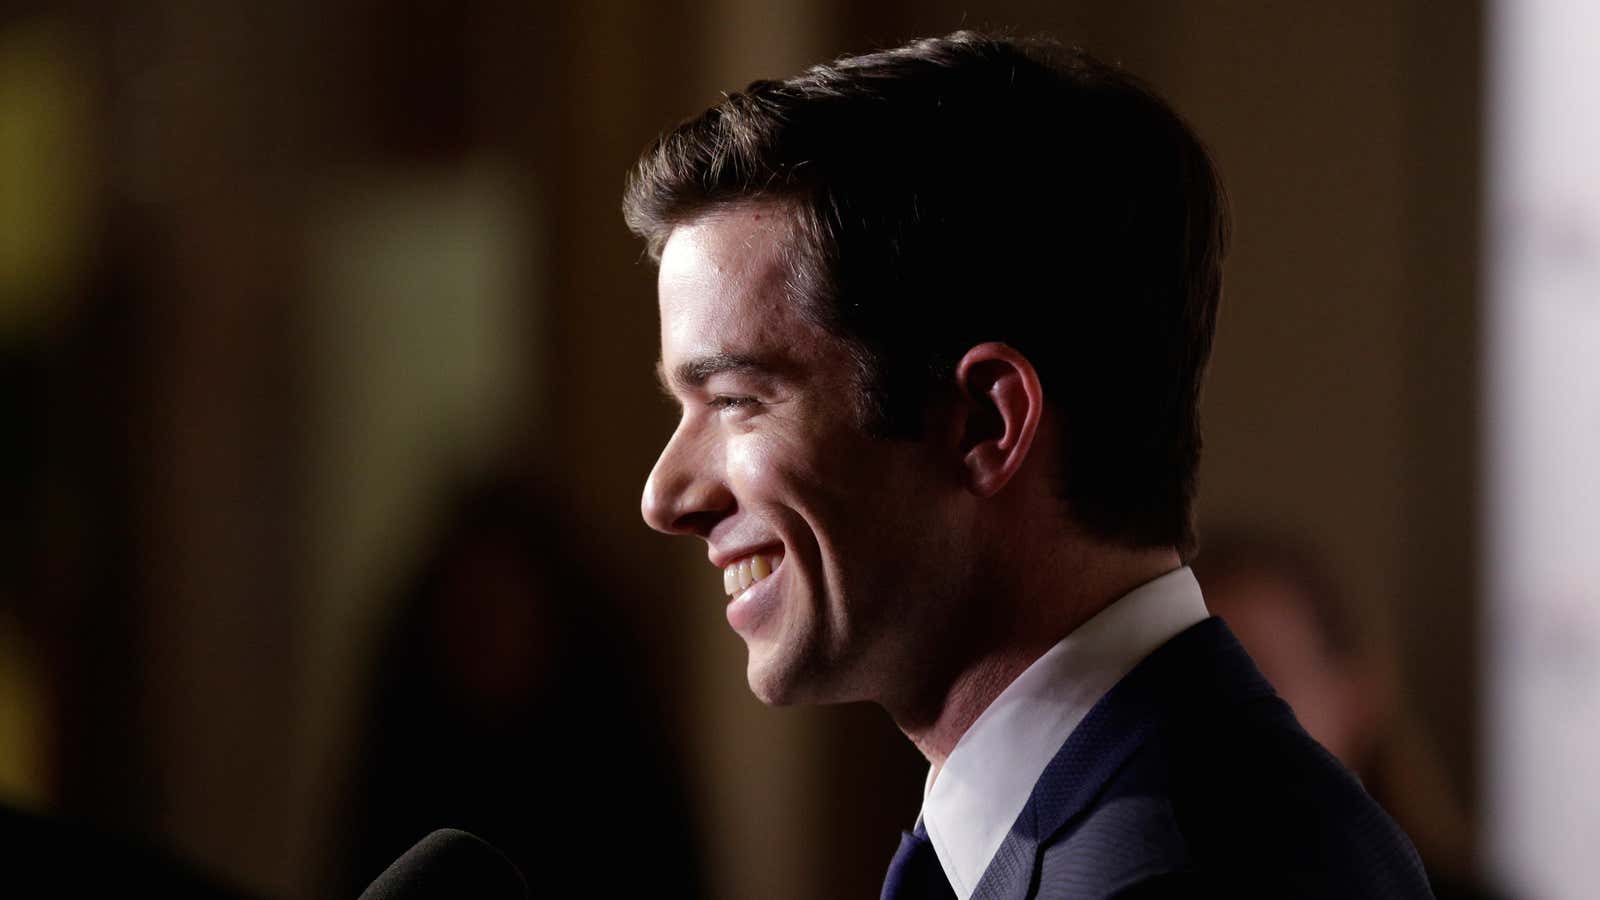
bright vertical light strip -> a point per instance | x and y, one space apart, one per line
1542 441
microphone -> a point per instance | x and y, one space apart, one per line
449 863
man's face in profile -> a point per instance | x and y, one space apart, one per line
825 538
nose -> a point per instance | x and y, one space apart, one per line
685 493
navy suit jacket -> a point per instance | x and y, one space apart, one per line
1191 778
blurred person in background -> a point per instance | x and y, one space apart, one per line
505 701
1334 665
73 754
937 319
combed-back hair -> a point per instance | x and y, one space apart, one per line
976 188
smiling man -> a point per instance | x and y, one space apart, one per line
937 319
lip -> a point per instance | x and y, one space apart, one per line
747 609
725 558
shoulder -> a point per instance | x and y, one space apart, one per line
1241 800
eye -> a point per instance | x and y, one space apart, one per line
727 401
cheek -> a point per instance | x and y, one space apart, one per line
772 463
783 476
750 466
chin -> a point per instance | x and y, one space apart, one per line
770 687
791 682
780 676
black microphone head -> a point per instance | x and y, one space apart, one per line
449 863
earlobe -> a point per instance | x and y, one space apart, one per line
1004 402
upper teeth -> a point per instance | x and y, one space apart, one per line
747 571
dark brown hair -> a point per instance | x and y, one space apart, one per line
975 188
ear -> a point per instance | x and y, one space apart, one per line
1004 403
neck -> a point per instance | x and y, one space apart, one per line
1022 620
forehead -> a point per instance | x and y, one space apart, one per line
723 287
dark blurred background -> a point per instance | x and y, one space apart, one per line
327 365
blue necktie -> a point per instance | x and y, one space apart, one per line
914 873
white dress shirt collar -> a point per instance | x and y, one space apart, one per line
969 809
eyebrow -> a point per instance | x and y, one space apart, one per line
694 373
